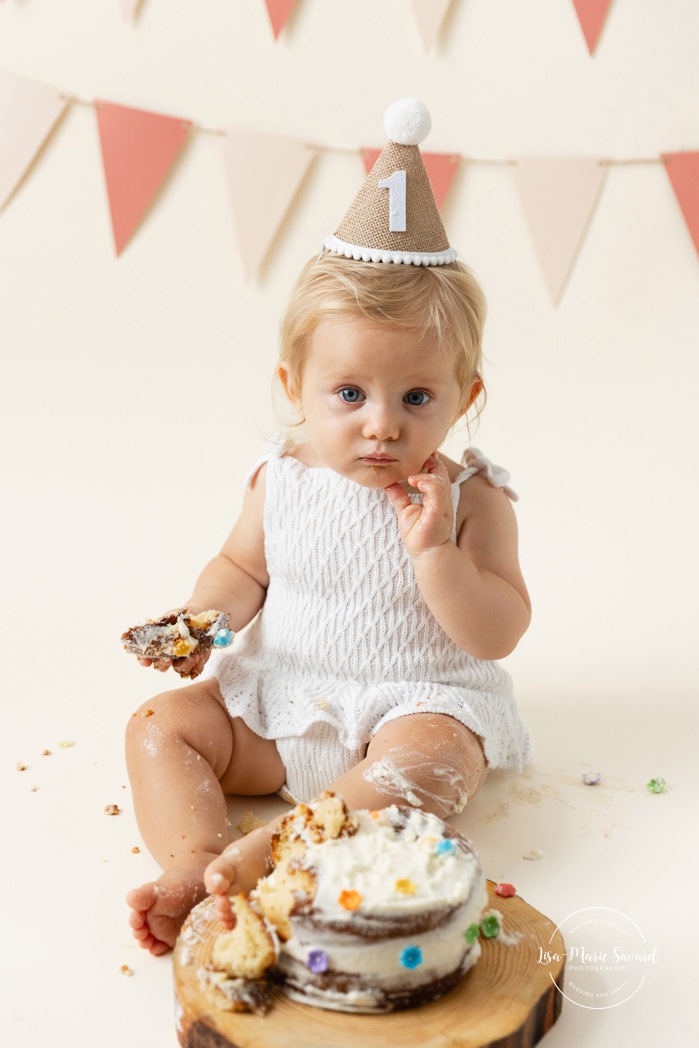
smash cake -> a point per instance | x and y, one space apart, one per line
365 911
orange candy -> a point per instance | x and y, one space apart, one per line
349 900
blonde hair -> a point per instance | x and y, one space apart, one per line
444 302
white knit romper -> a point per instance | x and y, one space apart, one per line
345 642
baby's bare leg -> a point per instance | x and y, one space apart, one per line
182 757
429 761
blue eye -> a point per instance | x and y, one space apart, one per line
350 395
416 398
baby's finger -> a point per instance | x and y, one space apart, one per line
435 467
190 667
430 483
397 496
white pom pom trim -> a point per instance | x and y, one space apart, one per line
372 254
407 121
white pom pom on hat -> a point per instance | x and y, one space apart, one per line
407 121
394 217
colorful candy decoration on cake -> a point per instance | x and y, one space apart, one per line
411 957
445 847
471 934
317 962
490 926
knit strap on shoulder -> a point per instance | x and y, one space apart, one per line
277 446
476 462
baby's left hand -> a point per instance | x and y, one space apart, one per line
422 527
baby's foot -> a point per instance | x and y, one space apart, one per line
158 908
238 869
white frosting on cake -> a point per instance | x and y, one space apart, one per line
367 863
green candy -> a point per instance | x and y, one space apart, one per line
656 785
490 926
472 934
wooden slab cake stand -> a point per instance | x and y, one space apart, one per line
507 999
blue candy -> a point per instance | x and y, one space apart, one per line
411 957
223 639
445 847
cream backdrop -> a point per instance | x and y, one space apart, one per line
137 392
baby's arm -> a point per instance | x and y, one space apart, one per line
474 586
234 581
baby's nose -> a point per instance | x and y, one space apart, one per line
382 424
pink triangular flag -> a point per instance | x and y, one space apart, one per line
265 173
592 15
279 11
429 16
28 113
138 150
558 196
129 7
441 170
683 172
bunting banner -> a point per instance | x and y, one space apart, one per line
429 18
29 111
279 12
592 15
558 195
683 172
441 170
265 172
138 150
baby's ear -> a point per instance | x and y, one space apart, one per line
288 381
470 395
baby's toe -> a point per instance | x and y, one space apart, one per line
220 874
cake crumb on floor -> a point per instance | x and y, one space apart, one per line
249 822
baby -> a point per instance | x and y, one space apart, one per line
382 578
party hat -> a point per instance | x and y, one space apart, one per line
394 217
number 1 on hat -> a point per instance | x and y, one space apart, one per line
396 200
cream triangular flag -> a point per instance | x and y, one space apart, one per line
429 17
129 8
29 111
265 173
558 196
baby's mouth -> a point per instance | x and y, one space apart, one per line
378 460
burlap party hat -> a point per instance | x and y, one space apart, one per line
394 217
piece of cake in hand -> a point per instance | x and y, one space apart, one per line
374 910
178 635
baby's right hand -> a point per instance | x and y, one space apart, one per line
190 666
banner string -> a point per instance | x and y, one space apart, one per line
358 151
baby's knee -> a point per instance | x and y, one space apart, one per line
153 719
439 767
